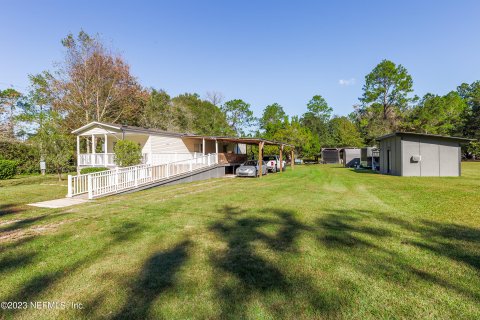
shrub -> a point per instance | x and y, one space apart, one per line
127 153
8 168
474 149
92 170
26 155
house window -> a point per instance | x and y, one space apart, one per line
197 147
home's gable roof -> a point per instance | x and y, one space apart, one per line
426 135
96 123
125 128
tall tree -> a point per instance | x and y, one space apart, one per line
9 100
344 133
319 108
272 119
294 132
92 84
388 85
215 98
159 112
471 94
316 119
386 96
239 116
57 145
438 115
37 110
199 116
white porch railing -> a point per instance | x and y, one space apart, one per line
121 179
161 158
96 159
108 159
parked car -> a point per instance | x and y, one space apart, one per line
251 169
273 163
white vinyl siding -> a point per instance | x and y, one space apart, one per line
164 144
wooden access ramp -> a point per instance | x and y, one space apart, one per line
120 180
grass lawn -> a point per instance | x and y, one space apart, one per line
316 242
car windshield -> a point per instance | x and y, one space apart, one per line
267 158
250 163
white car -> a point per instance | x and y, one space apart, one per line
273 163
250 169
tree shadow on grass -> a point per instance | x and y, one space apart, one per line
348 232
43 280
10 208
17 261
157 276
342 230
126 231
251 276
457 242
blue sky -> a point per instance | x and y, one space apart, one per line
259 51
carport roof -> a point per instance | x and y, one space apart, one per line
245 140
401 134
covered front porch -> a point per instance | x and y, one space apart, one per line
97 150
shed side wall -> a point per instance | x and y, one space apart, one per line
390 144
438 157
351 157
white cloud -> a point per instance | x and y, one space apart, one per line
346 82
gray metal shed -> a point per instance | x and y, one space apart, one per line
418 154
369 157
351 157
330 155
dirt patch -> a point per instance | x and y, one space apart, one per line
8 222
32 231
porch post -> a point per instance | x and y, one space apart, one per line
105 146
281 158
293 160
216 146
203 145
93 149
69 188
78 151
260 158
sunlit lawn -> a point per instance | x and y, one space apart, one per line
316 242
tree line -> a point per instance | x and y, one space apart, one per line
93 83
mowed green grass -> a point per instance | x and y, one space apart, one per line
317 242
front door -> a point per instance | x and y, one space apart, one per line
389 161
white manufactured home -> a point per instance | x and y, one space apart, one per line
167 158
96 142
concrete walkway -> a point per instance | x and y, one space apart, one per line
59 203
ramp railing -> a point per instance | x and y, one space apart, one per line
122 179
